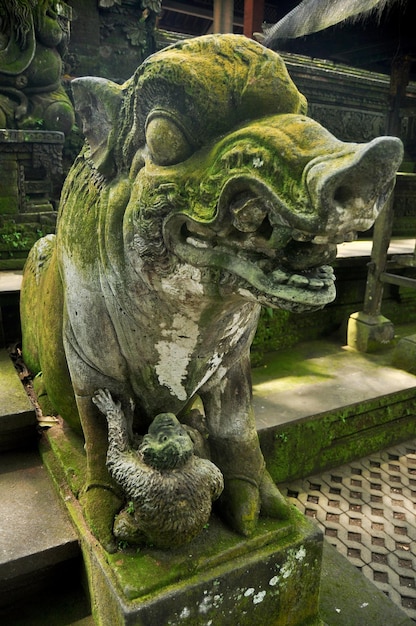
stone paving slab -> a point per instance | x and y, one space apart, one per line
350 599
367 511
35 532
320 376
17 414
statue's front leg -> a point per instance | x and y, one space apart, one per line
101 497
235 449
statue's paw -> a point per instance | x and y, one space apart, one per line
273 503
240 505
126 529
100 504
103 400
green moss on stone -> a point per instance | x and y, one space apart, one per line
338 436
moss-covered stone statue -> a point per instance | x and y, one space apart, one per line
203 192
33 37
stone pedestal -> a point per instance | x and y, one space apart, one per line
367 333
404 355
221 578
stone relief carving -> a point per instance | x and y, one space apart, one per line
33 38
350 124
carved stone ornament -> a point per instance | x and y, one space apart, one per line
203 192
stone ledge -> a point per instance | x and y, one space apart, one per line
17 415
36 536
10 281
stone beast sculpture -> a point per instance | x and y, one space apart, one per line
169 487
203 192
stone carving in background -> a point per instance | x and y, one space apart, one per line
33 37
203 192
35 113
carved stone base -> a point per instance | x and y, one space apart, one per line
367 333
270 579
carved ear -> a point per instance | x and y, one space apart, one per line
98 102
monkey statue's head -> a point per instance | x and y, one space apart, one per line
167 445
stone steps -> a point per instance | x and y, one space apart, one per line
39 547
37 540
344 404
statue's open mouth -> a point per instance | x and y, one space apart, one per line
280 212
270 261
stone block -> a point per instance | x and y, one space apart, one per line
9 187
37 540
368 333
221 578
404 355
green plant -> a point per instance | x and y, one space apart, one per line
283 437
130 507
16 240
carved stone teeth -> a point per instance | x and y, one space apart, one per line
325 272
337 238
320 278
280 276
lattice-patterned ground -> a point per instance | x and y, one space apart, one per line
367 510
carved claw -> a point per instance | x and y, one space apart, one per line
240 504
243 501
273 503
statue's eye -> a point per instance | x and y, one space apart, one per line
166 141
163 438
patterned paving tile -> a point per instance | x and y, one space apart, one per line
367 510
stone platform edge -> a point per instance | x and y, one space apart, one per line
338 436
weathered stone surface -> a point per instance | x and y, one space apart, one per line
405 354
343 403
32 161
367 333
31 94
